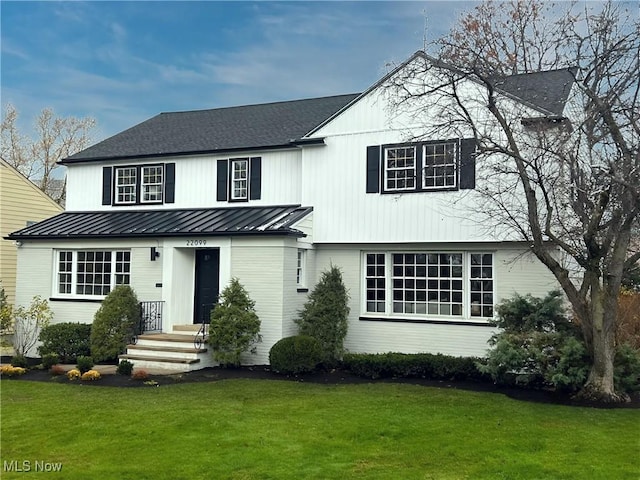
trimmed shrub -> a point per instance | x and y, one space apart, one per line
125 367
234 327
294 355
115 322
85 364
412 365
49 360
73 374
325 315
67 340
19 360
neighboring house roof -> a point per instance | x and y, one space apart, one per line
249 127
228 221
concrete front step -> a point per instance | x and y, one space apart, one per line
171 351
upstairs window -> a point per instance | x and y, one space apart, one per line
239 179
440 165
400 168
421 166
152 183
126 180
138 184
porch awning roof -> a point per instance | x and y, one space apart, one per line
228 221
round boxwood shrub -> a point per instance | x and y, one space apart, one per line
115 322
297 354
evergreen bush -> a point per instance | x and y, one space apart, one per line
84 363
67 340
20 361
325 315
234 327
537 346
125 367
115 322
49 360
295 355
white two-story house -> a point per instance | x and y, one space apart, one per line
274 194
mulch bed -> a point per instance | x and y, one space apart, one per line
333 377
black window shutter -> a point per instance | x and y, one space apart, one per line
221 181
106 185
255 181
373 169
468 163
169 182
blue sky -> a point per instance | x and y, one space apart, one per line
124 62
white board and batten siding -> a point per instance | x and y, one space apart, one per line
195 181
514 270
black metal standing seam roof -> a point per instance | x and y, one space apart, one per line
248 127
226 221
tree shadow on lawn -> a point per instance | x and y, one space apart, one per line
330 377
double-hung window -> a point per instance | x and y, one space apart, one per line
301 268
428 285
126 181
91 273
152 183
400 168
239 179
138 184
421 166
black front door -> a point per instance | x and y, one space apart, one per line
207 284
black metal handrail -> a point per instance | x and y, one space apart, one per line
151 316
205 319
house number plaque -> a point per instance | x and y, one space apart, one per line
196 243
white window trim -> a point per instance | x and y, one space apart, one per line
232 162
118 186
386 168
466 288
456 161
301 268
74 272
143 184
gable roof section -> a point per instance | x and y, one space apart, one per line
168 223
248 127
545 91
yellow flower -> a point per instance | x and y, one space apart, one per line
73 374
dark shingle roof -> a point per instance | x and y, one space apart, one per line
276 220
548 90
269 125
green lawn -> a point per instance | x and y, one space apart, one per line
246 429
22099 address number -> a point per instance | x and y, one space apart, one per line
196 243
